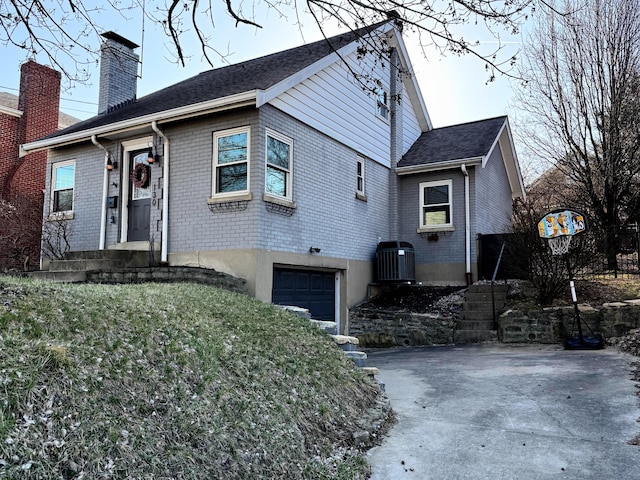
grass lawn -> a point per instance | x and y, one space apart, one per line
171 381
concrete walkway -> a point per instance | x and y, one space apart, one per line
495 412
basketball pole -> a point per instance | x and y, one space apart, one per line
574 298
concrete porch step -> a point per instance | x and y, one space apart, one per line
85 265
123 258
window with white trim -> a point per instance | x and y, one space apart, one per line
63 175
231 155
435 204
360 172
279 159
382 103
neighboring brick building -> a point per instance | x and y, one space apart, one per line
22 180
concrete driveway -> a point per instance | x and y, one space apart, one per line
494 412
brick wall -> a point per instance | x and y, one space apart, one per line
23 179
9 125
449 248
39 102
87 195
328 214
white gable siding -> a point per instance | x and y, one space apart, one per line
334 103
410 125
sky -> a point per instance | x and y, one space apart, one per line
455 88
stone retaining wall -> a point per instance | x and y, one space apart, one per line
168 274
553 325
375 328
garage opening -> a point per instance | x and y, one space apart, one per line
311 289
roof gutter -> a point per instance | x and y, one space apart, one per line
459 163
188 111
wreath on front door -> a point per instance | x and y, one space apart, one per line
140 175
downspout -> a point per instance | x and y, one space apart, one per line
165 192
395 145
105 191
467 226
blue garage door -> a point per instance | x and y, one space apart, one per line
307 289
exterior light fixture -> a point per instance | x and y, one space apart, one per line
150 157
111 164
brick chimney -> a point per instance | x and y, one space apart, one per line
22 180
39 103
118 71
38 100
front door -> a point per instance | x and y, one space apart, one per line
140 197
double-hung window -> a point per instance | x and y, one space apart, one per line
231 155
360 177
63 176
382 103
435 204
279 160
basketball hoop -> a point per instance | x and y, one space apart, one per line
559 245
559 227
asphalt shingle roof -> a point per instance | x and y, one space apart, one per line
456 142
260 73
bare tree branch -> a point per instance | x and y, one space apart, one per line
67 31
581 105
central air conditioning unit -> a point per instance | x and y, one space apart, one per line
395 262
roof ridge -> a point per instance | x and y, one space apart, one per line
357 34
482 120
253 75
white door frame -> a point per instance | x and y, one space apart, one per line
128 147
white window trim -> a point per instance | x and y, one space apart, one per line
289 184
361 177
214 176
384 94
54 169
436 227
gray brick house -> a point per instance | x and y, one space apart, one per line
285 171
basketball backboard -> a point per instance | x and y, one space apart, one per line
561 222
